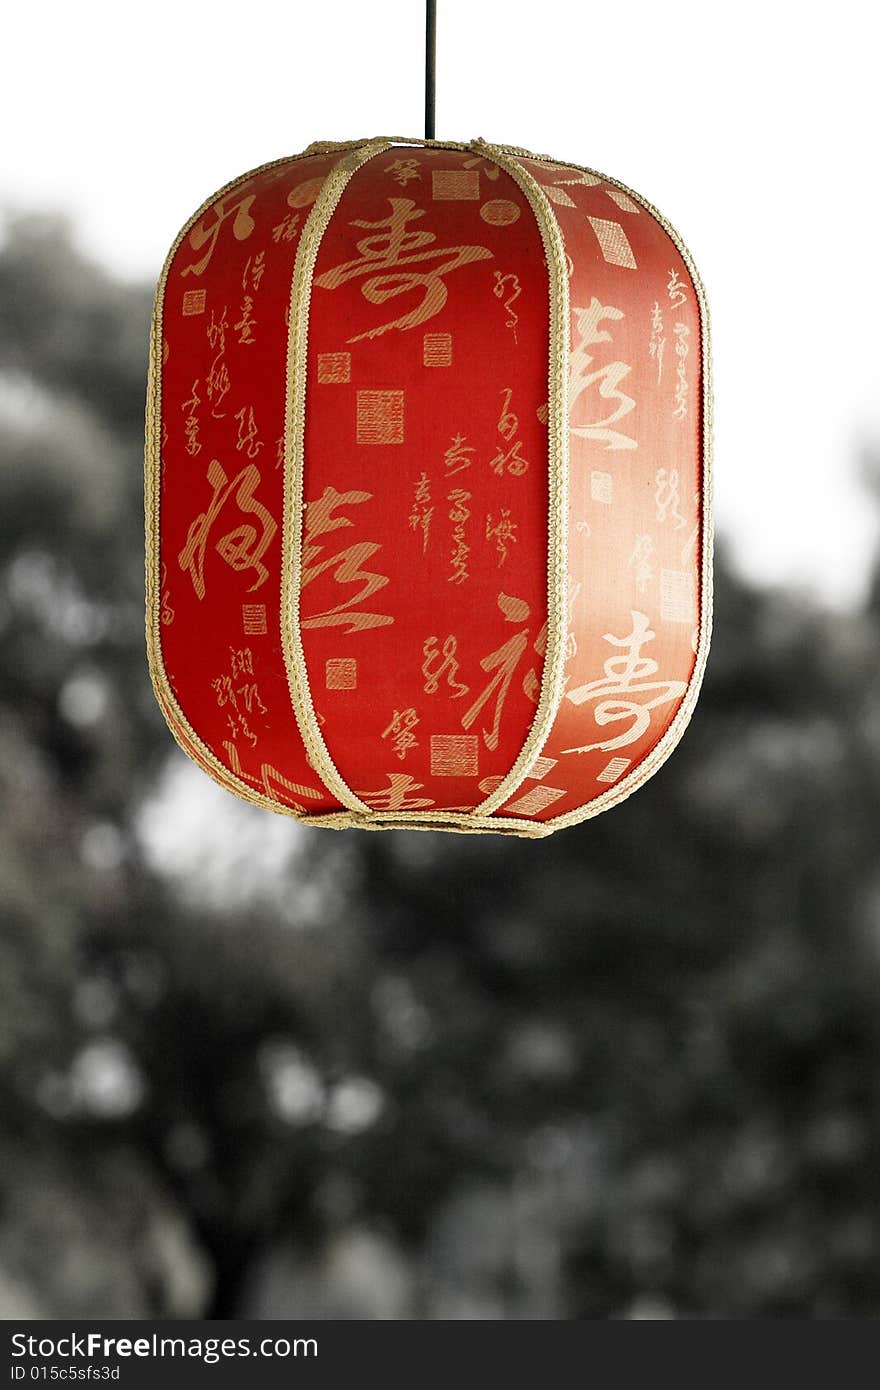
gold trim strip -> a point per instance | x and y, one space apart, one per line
462 823
557 476
294 470
334 146
207 761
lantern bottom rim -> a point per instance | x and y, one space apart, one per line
456 823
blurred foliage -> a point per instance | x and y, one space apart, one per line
628 1071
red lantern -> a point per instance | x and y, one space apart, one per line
427 488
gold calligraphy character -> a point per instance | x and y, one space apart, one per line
437 664
191 423
395 797
676 290
255 267
510 460
504 533
247 432
226 698
403 171
620 694
503 662
606 379
167 612
657 345
455 457
269 778
245 324
217 386
206 232
241 661
388 259
222 685
459 514
286 229
243 547
422 511
640 560
402 724
508 423
666 496
216 332
508 289
321 517
682 333
250 696
217 383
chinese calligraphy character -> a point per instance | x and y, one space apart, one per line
682 333
321 517
255 269
403 171
287 228
206 235
245 324
676 290
422 511
239 700
458 515
455 457
271 780
626 692
442 663
401 730
167 612
388 260
657 345
217 383
508 289
666 496
247 432
191 423
605 379
395 797
243 547
640 560
503 662
504 533
508 459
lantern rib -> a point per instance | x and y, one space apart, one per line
294 470
550 693
359 813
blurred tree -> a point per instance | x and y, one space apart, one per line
628 1071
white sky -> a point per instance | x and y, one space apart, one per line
751 126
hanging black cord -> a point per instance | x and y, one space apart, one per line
430 65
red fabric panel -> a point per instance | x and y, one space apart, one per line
223 409
635 494
425 560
